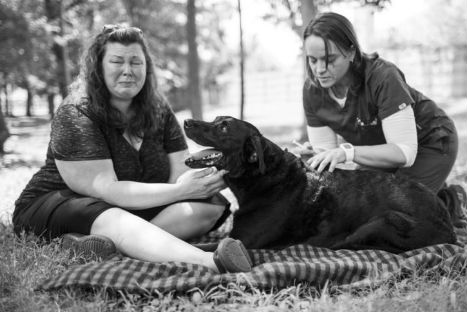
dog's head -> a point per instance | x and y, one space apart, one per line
235 145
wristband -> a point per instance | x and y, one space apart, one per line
349 151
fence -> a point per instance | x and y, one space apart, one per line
439 73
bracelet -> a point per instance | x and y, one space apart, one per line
349 151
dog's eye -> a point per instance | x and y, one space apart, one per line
224 127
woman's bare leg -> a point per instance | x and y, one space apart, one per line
143 240
187 220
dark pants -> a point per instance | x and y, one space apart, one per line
64 211
434 161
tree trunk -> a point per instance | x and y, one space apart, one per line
4 88
29 100
54 11
4 133
308 10
50 101
194 89
242 62
63 59
8 111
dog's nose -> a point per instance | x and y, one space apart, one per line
188 123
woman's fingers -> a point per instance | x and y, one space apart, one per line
323 159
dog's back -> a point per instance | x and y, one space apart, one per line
378 210
291 203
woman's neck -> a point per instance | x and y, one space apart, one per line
341 88
122 105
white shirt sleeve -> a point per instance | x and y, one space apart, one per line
400 129
322 137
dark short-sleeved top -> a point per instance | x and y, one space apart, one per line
76 135
381 92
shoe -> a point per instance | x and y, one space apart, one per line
89 247
231 256
455 198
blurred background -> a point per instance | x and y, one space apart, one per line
215 57
223 57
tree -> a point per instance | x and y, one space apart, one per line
194 92
165 26
4 133
242 61
14 36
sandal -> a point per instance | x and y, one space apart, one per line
89 247
231 256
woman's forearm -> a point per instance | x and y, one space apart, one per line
379 156
135 195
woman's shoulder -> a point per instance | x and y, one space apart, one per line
73 110
377 69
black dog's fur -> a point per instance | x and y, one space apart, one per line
284 202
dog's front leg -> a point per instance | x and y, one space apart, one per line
256 231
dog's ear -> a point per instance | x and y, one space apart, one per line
257 155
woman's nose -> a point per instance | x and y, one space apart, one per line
321 66
126 69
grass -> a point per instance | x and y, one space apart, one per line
26 261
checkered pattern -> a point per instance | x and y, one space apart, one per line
286 267
282 268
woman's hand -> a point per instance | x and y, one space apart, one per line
305 151
330 157
201 183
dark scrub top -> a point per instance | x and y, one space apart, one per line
76 135
382 92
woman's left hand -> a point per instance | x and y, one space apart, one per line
330 157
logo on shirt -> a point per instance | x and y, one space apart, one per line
361 123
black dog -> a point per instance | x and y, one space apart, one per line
284 202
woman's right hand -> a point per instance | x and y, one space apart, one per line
203 183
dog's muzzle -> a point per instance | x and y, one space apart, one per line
204 158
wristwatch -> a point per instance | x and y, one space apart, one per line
349 151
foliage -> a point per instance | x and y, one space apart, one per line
297 12
444 24
33 32
15 38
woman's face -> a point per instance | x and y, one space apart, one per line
338 63
124 69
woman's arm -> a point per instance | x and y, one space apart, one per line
97 178
321 138
399 151
177 164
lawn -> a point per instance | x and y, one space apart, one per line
26 262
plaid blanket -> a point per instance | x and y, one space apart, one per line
272 269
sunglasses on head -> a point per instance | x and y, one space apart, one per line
109 28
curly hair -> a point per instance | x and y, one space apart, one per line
90 86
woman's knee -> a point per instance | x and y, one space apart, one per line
208 214
108 221
195 215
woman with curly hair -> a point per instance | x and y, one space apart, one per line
115 178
